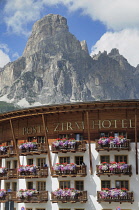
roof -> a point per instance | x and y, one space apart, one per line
78 106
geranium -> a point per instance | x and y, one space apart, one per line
25 193
104 193
66 192
117 192
64 166
28 145
113 165
27 168
2 193
114 192
3 148
122 165
64 143
3 170
104 166
117 140
103 141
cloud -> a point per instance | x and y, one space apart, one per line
15 55
120 16
4 57
18 14
116 15
127 41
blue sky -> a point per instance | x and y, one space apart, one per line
104 24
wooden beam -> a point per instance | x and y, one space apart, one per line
89 141
15 143
47 143
136 142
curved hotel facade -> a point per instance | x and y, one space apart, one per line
70 157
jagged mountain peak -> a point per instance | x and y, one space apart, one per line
57 68
45 30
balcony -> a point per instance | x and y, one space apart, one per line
77 170
68 146
26 172
114 169
40 172
7 151
32 148
115 196
64 196
112 143
40 197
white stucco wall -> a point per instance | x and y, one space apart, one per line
92 183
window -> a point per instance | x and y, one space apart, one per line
122 184
61 136
64 159
7 186
30 161
78 136
41 139
14 186
14 164
120 134
106 134
105 158
41 162
121 158
8 143
79 185
105 184
30 139
8 164
29 185
64 184
79 160
41 186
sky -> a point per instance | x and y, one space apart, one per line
104 24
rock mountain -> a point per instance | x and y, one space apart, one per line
56 68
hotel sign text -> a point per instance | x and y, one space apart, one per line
71 126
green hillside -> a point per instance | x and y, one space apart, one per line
7 107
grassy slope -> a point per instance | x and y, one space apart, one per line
7 107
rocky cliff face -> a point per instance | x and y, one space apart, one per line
57 68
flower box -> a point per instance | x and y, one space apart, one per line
28 169
114 192
64 143
26 193
28 146
112 141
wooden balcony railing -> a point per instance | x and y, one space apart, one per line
80 170
9 151
115 171
79 146
40 197
41 148
128 198
41 172
118 147
82 198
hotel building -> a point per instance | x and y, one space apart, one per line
81 156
